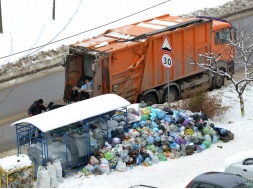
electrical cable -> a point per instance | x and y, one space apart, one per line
86 30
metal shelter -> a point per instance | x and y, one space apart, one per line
66 122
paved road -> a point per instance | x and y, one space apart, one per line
14 101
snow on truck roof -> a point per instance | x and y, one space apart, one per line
75 112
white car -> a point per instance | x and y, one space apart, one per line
240 164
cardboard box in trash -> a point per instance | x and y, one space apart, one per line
19 175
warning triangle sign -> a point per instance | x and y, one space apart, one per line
166 45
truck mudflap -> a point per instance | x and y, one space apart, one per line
73 73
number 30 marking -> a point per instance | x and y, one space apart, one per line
167 61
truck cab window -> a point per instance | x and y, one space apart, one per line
222 36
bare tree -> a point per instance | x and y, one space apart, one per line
53 14
243 46
1 24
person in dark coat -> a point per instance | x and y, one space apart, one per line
35 109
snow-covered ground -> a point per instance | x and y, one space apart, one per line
27 25
177 173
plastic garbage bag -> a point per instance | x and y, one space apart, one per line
108 155
144 117
142 104
148 161
116 141
139 160
58 167
207 138
161 115
121 166
162 157
85 171
159 149
94 160
189 149
173 127
43 178
206 143
168 119
150 140
214 139
89 167
133 118
145 111
183 149
206 130
52 173
104 168
142 124
133 133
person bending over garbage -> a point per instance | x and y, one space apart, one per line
35 109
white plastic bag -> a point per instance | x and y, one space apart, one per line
52 173
43 178
58 167
121 166
90 168
104 168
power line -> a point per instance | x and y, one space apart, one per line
86 30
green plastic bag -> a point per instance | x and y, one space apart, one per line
151 148
144 117
85 171
206 143
108 155
162 157
206 131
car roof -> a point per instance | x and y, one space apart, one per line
221 179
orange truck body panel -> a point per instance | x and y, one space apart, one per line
129 60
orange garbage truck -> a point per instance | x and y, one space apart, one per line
140 60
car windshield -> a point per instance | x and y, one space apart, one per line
246 184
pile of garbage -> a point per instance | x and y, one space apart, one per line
16 172
151 135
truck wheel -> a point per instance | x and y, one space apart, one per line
173 95
150 99
218 81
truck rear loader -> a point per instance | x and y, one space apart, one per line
138 61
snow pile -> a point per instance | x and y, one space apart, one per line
14 162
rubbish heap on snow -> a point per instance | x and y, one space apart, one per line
151 135
16 172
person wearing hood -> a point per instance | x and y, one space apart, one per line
35 109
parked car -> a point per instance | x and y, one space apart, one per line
240 163
219 180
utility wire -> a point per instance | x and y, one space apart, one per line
86 30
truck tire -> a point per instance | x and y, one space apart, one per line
218 81
173 95
150 99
